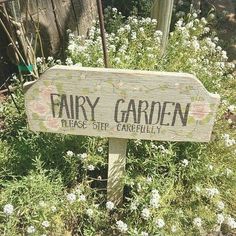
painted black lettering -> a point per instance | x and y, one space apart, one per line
92 106
64 105
72 107
141 110
163 113
116 111
152 112
131 109
79 105
53 104
184 118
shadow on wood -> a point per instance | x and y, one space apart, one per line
116 169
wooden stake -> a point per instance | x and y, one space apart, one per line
162 11
116 169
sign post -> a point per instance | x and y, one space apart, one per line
117 147
116 169
121 104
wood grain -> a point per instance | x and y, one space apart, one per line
126 104
162 11
116 169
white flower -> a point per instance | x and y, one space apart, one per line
114 10
211 192
112 48
211 16
71 197
231 65
45 224
185 162
91 167
50 59
158 33
69 153
121 30
225 136
39 60
68 31
154 21
89 212
148 20
229 142
196 45
220 205
220 219
203 20
82 198
197 189
173 228
228 172
30 229
121 226
72 47
8 209
100 149
145 214
144 233
133 206
197 222
160 223
231 108
141 29
210 167
84 156
224 55
69 61
127 27
54 209
58 61
155 198
206 30
42 204
149 179
231 222
138 142
133 35
100 61
110 205
194 15
117 60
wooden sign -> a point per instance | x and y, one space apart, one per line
125 104
121 105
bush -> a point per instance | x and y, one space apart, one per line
182 188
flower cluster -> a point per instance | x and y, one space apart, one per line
228 141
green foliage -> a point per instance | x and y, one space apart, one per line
132 7
170 188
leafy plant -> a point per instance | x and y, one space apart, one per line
170 188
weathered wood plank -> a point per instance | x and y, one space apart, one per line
116 169
126 104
